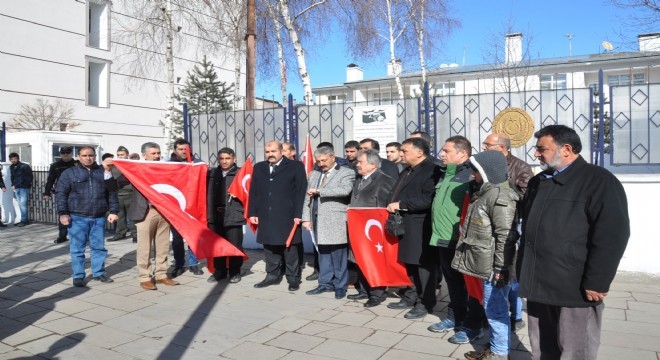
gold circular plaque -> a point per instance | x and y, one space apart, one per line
516 123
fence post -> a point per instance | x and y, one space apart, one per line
3 143
293 126
600 146
427 122
186 135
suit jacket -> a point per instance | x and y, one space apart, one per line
389 168
139 207
415 194
376 191
331 204
276 199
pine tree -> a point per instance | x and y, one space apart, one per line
203 92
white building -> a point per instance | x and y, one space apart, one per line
64 49
514 74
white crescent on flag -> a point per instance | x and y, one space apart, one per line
245 180
172 191
369 224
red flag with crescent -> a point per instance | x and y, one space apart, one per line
178 191
374 248
308 157
240 189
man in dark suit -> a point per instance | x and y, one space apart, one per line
386 166
276 200
413 196
371 189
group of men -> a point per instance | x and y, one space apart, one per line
555 238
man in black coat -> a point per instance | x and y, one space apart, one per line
225 214
386 166
276 200
413 197
54 171
372 189
575 231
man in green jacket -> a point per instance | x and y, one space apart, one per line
447 205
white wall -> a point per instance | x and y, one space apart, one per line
643 192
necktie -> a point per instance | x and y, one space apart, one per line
324 179
362 183
272 168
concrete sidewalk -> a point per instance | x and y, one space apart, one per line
43 316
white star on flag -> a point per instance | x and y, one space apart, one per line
379 247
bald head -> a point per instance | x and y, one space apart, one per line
499 142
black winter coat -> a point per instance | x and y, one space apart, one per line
415 194
221 210
575 230
54 173
276 199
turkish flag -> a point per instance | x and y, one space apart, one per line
374 248
178 191
308 157
240 189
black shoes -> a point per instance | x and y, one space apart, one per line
267 282
177 271
294 287
237 278
416 313
340 294
59 241
79 282
313 276
320 290
358 296
399 305
372 303
21 224
2 224
104 279
195 270
117 237
134 239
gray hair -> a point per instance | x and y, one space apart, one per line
324 150
372 157
149 145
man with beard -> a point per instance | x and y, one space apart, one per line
351 149
277 194
574 233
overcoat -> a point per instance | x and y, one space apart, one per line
415 195
575 230
332 202
376 191
276 199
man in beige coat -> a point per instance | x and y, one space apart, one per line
324 213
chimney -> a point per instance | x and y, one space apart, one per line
394 67
354 73
513 48
649 42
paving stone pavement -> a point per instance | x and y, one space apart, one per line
43 316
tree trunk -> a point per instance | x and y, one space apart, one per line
169 58
395 69
298 47
419 31
237 74
274 17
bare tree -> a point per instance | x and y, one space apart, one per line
428 17
509 55
646 12
231 17
147 33
44 115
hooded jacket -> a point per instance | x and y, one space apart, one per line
447 204
489 233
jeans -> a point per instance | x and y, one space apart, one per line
22 195
496 306
515 302
83 230
179 251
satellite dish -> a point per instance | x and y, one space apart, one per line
607 46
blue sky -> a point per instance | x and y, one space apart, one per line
590 21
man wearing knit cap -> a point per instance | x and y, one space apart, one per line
124 195
487 245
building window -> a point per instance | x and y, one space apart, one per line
554 81
444 88
384 96
98 82
24 152
637 79
98 24
336 98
